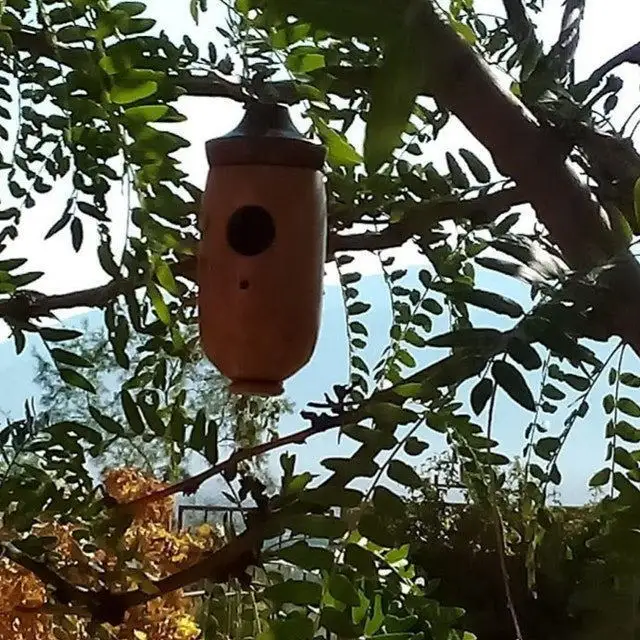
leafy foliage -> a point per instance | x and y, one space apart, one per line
89 103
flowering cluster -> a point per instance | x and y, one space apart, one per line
160 552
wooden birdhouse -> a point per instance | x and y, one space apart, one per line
262 251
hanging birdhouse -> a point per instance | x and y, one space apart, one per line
262 251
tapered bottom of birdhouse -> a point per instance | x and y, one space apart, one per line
256 387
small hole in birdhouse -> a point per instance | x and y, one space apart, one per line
250 230
244 284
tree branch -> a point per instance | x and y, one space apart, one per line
529 154
518 23
418 219
319 424
631 55
230 561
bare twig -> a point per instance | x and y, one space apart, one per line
630 55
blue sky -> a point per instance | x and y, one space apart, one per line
608 28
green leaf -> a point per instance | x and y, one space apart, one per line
358 308
553 392
627 432
341 589
480 395
338 622
415 447
339 152
72 377
524 354
476 166
299 592
628 406
318 526
131 412
608 403
77 234
159 305
107 423
177 426
513 383
375 530
211 452
196 439
124 92
624 459
151 417
387 502
165 277
81 430
361 559
629 380
58 335
600 478
302 63
579 383
490 301
388 416
396 86
71 359
136 25
146 113
404 474
546 448
130 8
23 279
479 338
307 557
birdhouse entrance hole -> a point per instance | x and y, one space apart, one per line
250 230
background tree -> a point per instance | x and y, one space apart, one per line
96 90
240 422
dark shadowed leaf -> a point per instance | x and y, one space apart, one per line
107 423
600 478
513 382
318 526
300 592
71 359
404 474
131 412
479 338
58 335
341 589
476 166
480 395
628 406
307 557
338 622
524 354
75 379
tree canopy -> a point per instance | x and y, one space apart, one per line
91 102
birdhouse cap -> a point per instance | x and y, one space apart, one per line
265 136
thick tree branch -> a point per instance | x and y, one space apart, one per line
527 153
